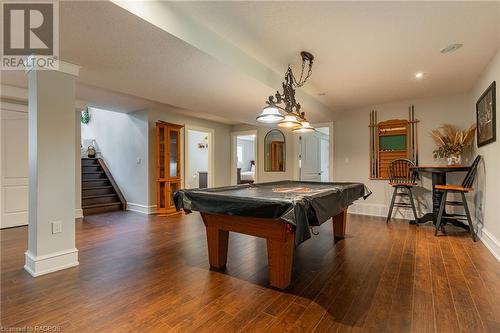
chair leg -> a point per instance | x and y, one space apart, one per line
394 193
469 219
441 210
413 205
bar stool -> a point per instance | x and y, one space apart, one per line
402 179
465 188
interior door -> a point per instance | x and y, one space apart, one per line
14 168
325 157
310 157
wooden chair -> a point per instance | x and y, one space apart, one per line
465 188
402 179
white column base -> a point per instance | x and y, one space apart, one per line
78 213
49 263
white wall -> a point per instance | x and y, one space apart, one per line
487 197
122 139
198 157
352 155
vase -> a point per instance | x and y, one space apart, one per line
454 159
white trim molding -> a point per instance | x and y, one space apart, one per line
40 265
380 210
78 213
143 209
490 242
62 66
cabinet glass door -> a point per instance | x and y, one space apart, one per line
161 151
174 153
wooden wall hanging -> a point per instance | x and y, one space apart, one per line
168 166
390 140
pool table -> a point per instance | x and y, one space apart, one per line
281 212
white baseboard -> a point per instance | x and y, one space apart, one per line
78 213
40 265
381 210
143 209
490 242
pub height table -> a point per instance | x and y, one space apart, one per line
438 173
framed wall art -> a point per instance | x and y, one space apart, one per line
486 116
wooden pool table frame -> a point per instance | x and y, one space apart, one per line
279 237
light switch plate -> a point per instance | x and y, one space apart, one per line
56 227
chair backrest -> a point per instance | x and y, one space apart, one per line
400 172
471 174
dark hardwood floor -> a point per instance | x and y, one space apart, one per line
148 273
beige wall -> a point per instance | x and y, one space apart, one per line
351 139
487 197
222 145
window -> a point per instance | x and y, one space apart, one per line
239 153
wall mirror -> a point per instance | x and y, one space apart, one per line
274 151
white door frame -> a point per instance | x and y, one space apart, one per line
331 148
211 133
234 135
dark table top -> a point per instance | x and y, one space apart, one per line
302 204
441 168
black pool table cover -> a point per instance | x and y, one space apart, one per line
302 204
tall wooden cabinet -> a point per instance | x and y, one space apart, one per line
168 165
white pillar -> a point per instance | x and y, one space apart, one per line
51 230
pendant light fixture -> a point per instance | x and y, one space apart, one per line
305 127
270 115
290 121
282 108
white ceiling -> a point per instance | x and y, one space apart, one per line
366 53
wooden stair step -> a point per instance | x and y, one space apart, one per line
97 190
100 193
99 196
102 208
98 187
89 162
102 205
89 180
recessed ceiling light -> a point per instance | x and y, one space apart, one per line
451 48
419 75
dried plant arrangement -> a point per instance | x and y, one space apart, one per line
452 141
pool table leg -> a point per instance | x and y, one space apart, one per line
280 260
217 240
339 224
279 236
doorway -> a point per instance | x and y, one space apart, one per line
314 156
199 158
244 158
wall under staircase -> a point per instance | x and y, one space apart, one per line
100 193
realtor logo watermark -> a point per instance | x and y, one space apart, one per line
30 33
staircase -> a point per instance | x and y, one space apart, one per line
100 193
